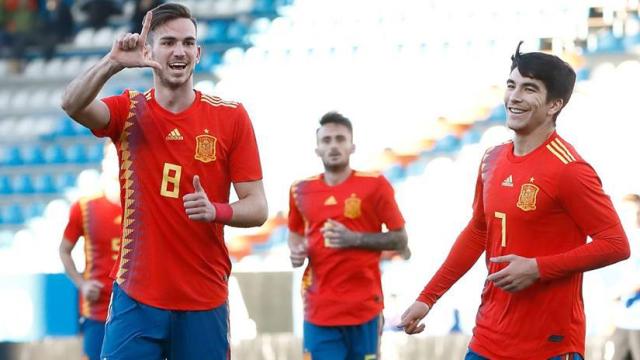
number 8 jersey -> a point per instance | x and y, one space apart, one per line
167 260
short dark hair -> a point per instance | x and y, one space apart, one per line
556 75
334 117
163 13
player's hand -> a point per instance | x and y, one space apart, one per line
197 205
411 319
519 274
90 290
298 254
129 50
338 236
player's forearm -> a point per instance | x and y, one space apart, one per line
84 88
608 246
249 212
391 240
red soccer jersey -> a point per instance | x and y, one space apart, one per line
167 260
542 205
98 221
342 286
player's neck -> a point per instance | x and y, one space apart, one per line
336 177
523 144
175 100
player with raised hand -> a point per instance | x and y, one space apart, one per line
180 151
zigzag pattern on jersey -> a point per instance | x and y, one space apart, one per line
216 101
126 174
557 148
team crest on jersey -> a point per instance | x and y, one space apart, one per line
206 147
527 198
352 207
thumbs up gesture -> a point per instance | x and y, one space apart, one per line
197 205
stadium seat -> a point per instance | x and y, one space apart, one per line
65 180
32 154
103 38
448 144
23 184
65 127
5 185
79 129
53 68
395 173
44 184
216 32
237 32
76 153
95 152
13 214
54 154
34 209
84 38
35 68
21 98
11 156
471 136
39 99
5 98
71 65
498 115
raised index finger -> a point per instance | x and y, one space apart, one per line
146 24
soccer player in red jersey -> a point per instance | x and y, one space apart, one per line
97 219
180 151
336 219
536 202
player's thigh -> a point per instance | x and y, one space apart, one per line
200 335
324 342
92 335
364 339
134 330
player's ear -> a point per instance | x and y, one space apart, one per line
556 106
353 149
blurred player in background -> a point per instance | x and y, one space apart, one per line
626 338
336 219
180 151
97 219
536 202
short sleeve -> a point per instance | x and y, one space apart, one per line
74 228
387 207
118 112
296 221
244 160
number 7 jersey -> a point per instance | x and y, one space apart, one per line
542 205
167 260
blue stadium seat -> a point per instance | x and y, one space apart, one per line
498 114
23 184
395 173
609 43
95 152
34 209
416 168
65 127
11 156
13 214
447 144
237 32
216 32
472 136
45 184
65 180
208 62
80 130
76 154
5 185
54 154
32 155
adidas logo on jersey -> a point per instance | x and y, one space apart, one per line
508 181
174 135
331 200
